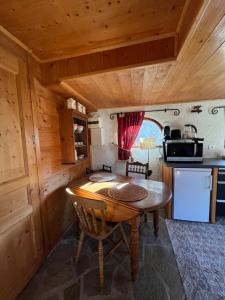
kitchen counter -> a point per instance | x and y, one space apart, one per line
207 163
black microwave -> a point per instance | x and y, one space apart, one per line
183 151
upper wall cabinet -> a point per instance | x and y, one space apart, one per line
74 136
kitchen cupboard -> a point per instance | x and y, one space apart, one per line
167 176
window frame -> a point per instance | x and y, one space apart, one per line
150 120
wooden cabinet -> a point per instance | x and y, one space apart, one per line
167 178
74 136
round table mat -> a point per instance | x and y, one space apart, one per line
102 177
129 192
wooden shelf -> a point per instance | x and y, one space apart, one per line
69 138
81 146
78 114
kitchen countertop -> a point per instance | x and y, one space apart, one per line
207 163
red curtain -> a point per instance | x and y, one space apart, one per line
129 125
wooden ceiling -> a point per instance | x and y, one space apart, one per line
197 74
57 29
124 53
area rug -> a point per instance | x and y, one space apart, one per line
200 254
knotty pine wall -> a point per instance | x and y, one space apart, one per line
57 212
34 209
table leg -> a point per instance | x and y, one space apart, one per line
156 222
135 222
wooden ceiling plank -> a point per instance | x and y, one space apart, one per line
208 18
103 88
137 79
149 79
88 88
187 19
114 87
126 86
199 48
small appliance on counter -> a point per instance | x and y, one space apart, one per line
188 149
190 131
167 133
175 134
185 150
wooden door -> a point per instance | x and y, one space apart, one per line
21 247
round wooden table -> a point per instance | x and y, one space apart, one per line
119 211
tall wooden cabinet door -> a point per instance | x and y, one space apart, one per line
21 249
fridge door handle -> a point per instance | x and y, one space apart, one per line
210 182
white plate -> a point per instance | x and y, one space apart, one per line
102 177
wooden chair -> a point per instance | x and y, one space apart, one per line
138 168
105 168
91 214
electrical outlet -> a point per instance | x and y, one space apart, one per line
211 147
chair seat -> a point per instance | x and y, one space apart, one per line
102 233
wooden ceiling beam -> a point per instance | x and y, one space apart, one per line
139 55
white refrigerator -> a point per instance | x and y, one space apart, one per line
192 189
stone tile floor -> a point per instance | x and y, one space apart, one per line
60 279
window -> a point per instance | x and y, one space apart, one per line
149 128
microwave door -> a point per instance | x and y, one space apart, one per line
180 150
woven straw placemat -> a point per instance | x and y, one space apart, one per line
102 177
129 192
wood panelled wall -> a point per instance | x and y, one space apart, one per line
52 174
34 209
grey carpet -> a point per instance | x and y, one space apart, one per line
200 253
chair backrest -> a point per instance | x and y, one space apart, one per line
89 171
107 168
91 214
138 168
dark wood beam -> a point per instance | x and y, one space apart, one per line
148 53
